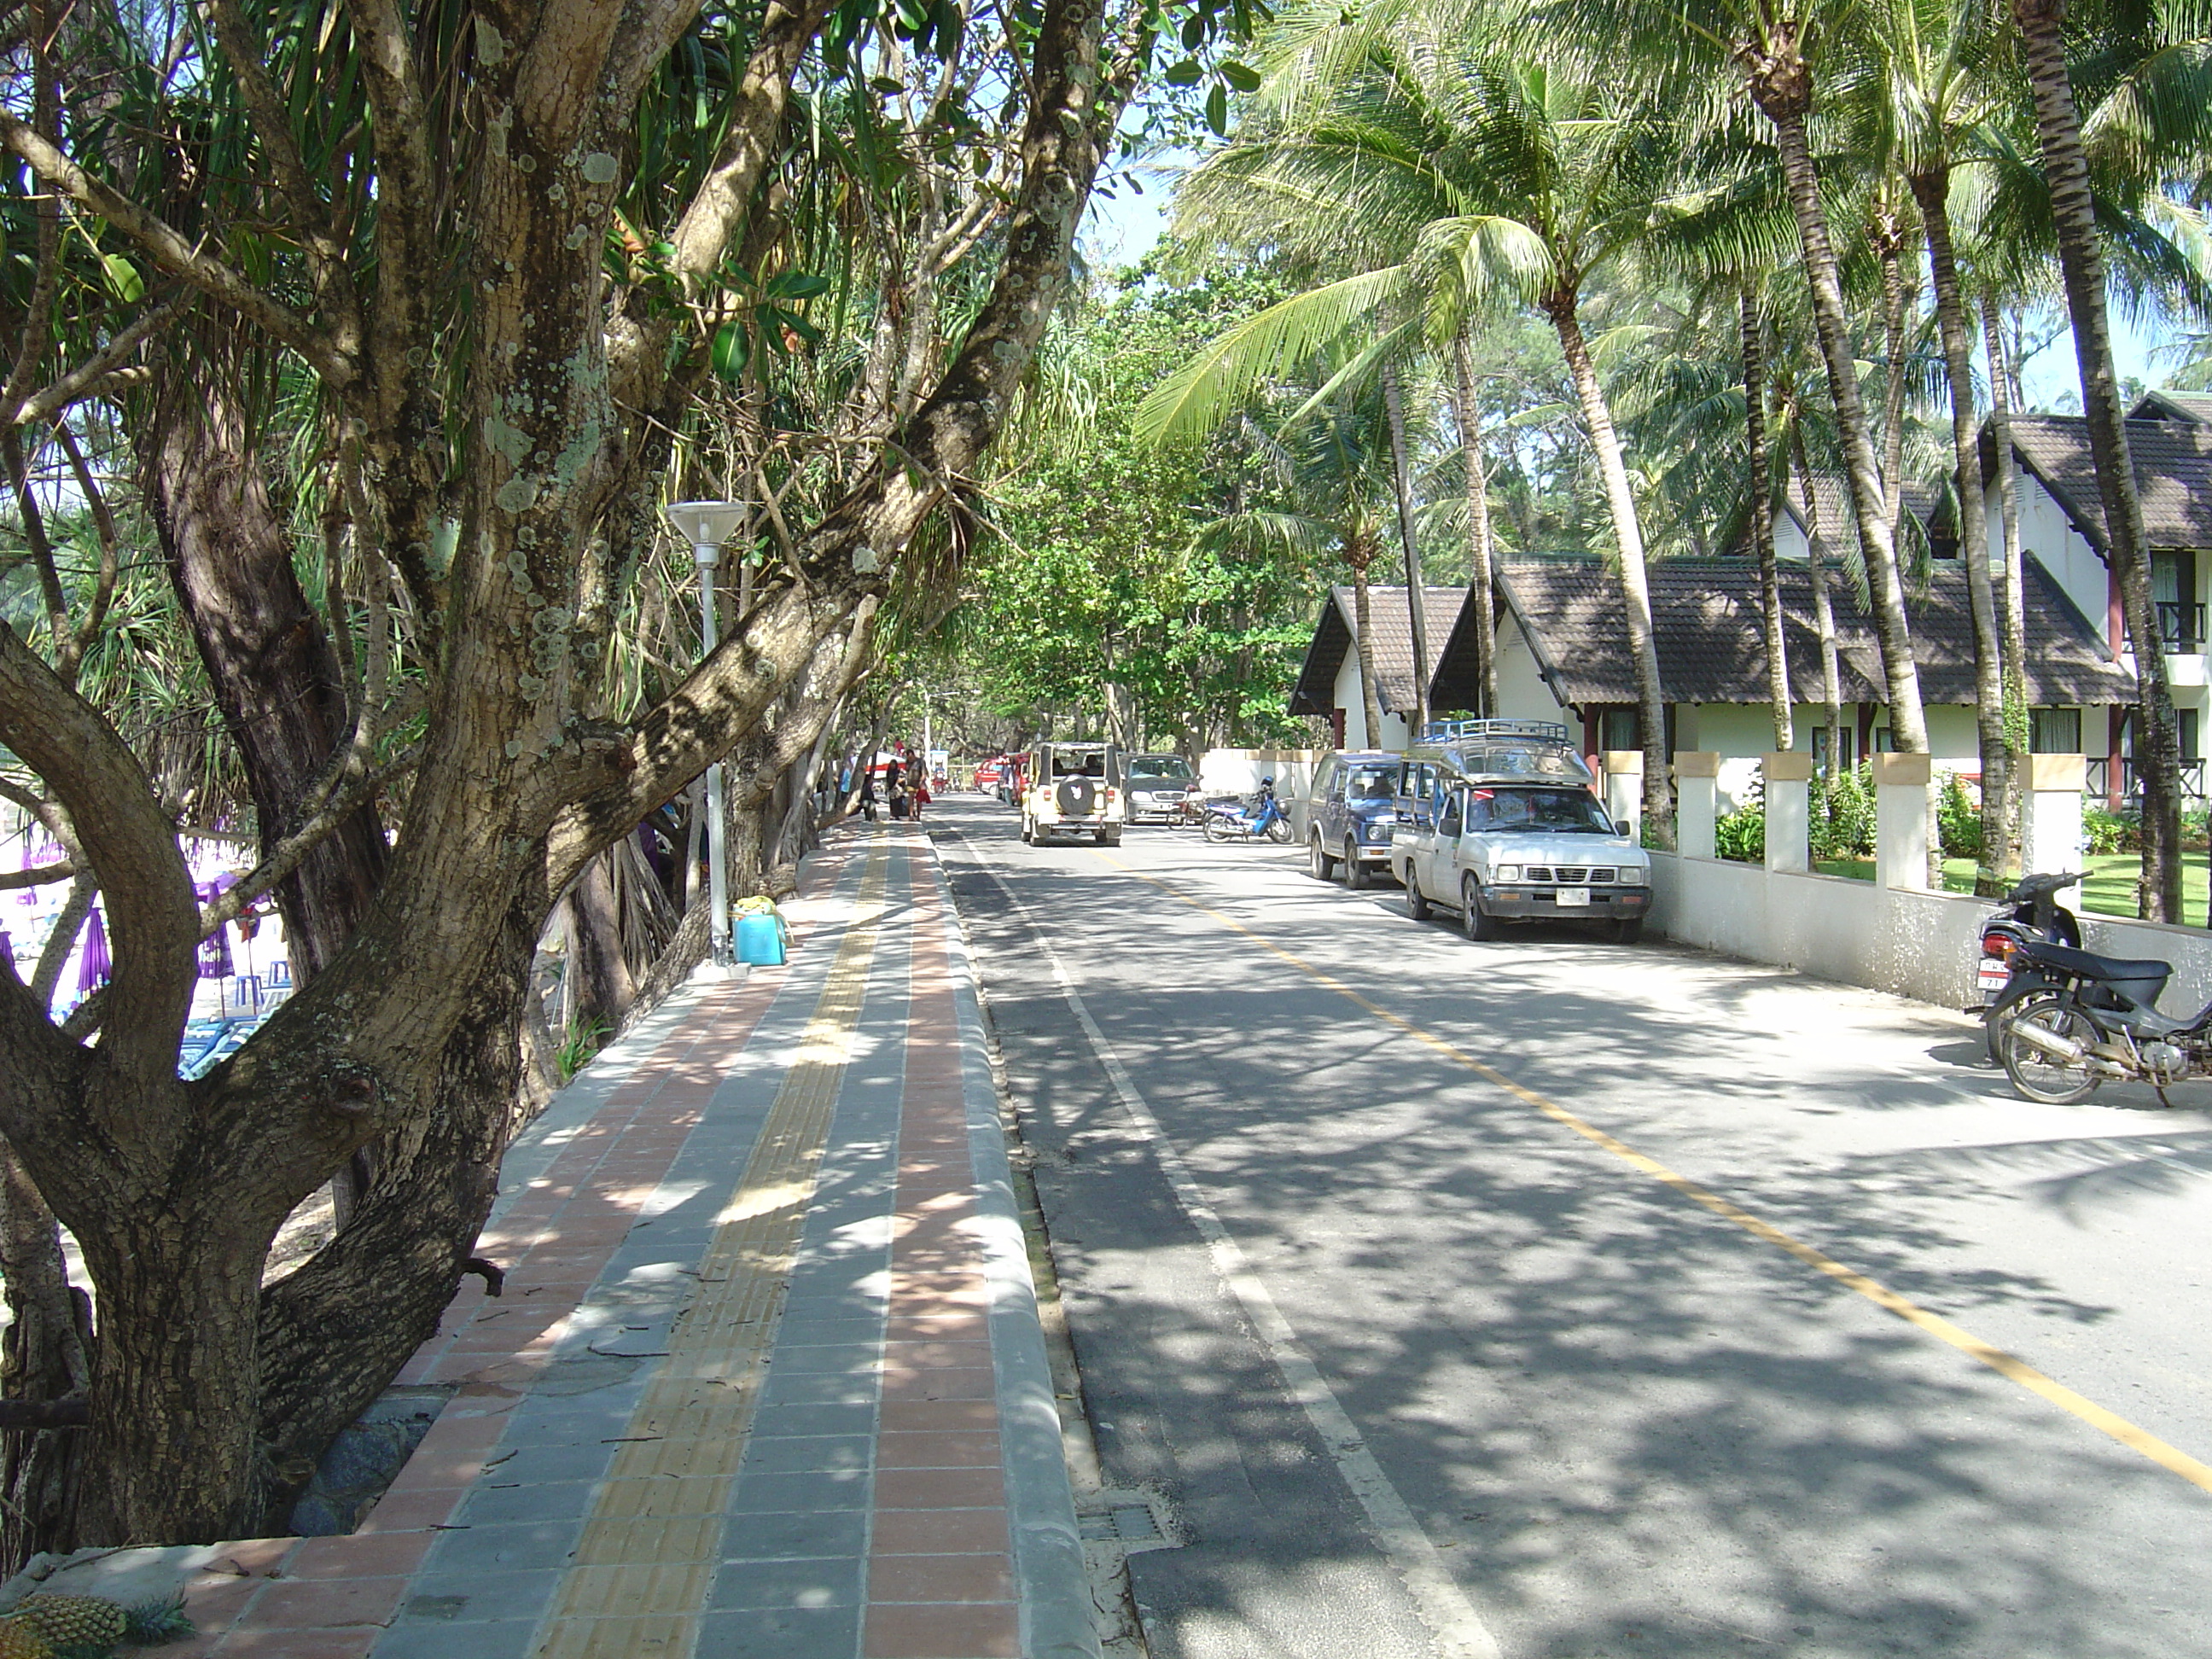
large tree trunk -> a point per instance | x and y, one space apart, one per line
267 655
1635 581
45 1355
605 986
2012 608
1781 85
1393 404
1761 485
410 1034
2073 212
1480 594
1932 189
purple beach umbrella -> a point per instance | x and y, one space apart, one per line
94 967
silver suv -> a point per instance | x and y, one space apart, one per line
1159 784
1511 829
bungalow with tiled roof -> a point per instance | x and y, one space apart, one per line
1563 654
1328 686
2062 523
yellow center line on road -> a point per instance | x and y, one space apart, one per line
2007 1365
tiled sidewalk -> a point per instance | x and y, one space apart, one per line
767 1378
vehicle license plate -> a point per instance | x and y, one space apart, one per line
1572 896
1993 975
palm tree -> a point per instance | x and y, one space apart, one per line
1934 82
1472 171
1466 411
1394 405
2073 211
1337 458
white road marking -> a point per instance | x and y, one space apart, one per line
1444 1607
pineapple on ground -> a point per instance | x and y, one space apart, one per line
75 1622
87 1628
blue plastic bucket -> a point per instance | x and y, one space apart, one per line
760 939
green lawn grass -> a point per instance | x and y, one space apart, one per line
1958 873
2109 889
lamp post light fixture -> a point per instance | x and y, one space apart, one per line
707 525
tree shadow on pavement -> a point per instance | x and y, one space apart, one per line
1630 1426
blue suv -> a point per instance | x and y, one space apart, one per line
1350 814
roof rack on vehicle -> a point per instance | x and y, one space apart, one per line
1460 731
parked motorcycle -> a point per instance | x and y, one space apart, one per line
2030 911
2095 1018
1233 820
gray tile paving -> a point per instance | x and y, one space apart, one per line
820 1582
815 1451
504 1638
780 1633
489 1505
450 1598
776 1534
512 1547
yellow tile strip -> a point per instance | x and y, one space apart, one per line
646 1563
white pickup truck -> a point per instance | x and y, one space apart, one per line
1499 824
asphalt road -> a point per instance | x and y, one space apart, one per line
1386 1263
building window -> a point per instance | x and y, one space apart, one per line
1850 740
2185 719
2054 731
1885 741
2173 591
1616 729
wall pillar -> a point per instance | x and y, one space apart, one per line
1900 820
1788 786
1624 790
2050 839
1697 801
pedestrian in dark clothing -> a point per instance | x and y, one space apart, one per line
868 797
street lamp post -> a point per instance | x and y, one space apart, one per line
707 525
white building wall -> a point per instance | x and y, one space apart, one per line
1739 734
2047 532
1397 731
1523 693
1952 738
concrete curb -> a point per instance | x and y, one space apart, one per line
1055 1587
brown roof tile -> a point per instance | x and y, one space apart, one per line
1705 613
1391 625
2173 475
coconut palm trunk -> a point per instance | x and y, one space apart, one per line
1393 404
1823 610
1781 85
1762 519
2158 749
1931 189
1889 237
2012 610
1635 581
1467 410
1359 553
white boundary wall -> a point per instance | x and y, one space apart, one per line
1918 944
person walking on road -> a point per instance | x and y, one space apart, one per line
868 795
